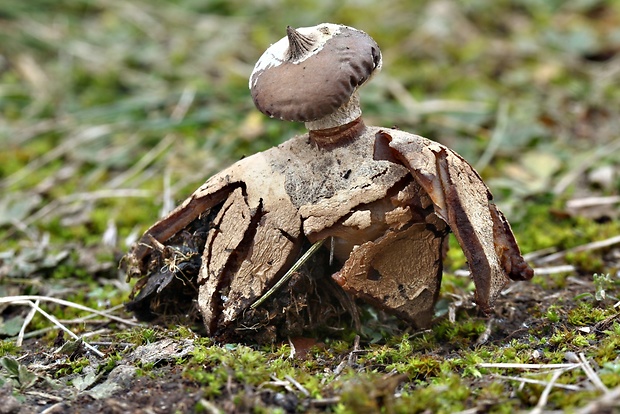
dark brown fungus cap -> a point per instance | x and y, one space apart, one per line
313 71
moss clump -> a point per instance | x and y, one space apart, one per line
8 347
587 314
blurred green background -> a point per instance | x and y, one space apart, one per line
113 111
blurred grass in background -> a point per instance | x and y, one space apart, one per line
112 109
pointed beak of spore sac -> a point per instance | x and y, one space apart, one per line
299 44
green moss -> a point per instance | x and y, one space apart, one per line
587 314
72 367
553 314
140 335
459 333
8 347
446 395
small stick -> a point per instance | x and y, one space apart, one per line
289 274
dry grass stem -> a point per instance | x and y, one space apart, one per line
85 197
600 244
432 106
293 350
289 273
538 382
162 146
595 379
27 320
542 401
512 365
554 270
105 314
547 270
86 135
297 385
55 321
178 114
558 370
209 407
580 169
484 336
605 403
578 203
497 138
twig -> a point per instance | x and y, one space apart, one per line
558 370
289 274
532 256
167 202
432 106
276 382
112 344
355 351
56 408
547 270
94 333
85 319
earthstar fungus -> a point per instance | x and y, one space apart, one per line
384 199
